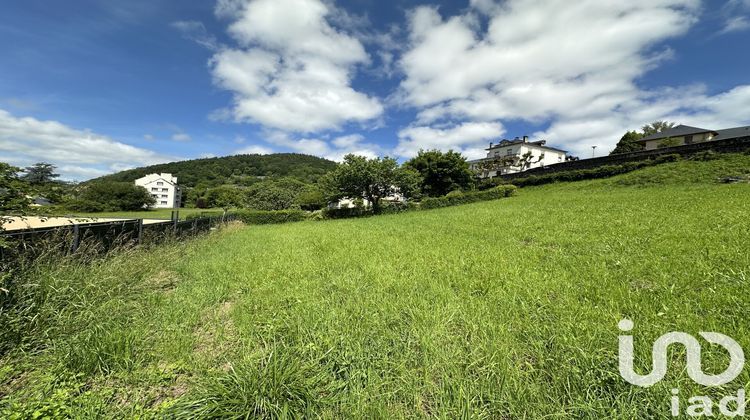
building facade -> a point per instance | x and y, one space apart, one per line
164 189
518 155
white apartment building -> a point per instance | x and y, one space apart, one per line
164 189
518 155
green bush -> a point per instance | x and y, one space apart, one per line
260 217
495 193
346 213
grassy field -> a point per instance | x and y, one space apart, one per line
502 309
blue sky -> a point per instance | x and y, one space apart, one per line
97 86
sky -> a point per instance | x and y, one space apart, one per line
96 86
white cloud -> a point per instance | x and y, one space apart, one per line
334 149
196 31
468 138
254 150
292 70
181 137
736 24
148 137
572 66
79 154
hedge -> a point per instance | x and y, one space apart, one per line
260 217
495 193
604 171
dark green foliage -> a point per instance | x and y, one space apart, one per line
13 191
373 179
312 199
258 217
40 173
111 196
239 169
225 197
628 143
441 172
495 193
604 171
275 194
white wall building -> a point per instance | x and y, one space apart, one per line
518 155
164 189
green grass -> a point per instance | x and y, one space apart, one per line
146 214
501 309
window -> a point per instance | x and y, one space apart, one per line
155 195
164 196
164 202
159 183
154 189
509 152
164 189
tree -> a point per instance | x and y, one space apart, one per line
312 199
628 143
13 192
40 173
111 196
225 197
656 127
373 179
275 194
441 172
499 163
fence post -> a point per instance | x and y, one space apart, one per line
76 239
140 231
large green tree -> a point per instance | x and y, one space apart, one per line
225 197
111 196
628 143
40 173
441 172
13 191
373 179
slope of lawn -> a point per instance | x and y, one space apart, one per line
502 309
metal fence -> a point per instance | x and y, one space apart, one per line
102 237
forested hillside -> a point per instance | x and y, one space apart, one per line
238 169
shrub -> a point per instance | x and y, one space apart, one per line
260 217
495 193
346 213
705 155
604 171
455 193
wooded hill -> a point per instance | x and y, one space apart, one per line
238 169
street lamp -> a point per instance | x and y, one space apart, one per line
593 151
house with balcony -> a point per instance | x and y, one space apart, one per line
684 134
517 155
164 189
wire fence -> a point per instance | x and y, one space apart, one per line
102 237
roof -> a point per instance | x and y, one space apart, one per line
678 131
539 143
732 133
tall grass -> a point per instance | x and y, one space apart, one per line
501 309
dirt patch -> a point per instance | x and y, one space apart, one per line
164 280
214 335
